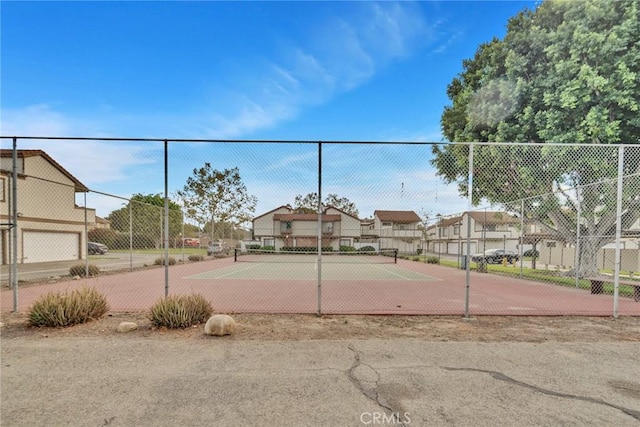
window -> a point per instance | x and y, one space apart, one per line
345 242
489 227
285 226
2 191
327 227
387 224
456 230
269 242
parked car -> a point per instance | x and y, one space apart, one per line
216 247
495 256
191 243
95 248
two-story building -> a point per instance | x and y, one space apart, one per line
398 230
286 227
50 226
489 230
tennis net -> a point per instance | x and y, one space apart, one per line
385 256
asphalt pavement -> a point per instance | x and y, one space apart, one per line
120 381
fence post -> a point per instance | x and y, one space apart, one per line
86 239
616 272
130 236
166 219
319 262
14 225
578 219
469 205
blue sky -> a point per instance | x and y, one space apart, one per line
361 71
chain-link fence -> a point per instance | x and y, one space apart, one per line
548 229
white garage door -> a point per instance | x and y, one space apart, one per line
42 246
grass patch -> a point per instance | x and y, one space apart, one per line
180 311
57 309
544 276
172 251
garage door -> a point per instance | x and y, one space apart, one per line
41 246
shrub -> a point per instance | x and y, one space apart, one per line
416 258
180 311
81 269
367 249
432 260
269 248
160 261
249 247
419 251
347 249
57 309
194 257
313 249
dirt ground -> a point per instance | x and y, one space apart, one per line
294 327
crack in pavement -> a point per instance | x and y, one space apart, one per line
502 377
370 392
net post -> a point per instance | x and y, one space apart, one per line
395 256
235 254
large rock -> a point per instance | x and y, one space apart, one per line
127 326
220 324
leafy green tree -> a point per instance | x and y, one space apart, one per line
566 72
309 203
147 215
213 197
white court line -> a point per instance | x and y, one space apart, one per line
404 277
195 276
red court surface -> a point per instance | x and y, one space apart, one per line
440 292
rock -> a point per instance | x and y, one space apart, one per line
127 327
76 277
220 324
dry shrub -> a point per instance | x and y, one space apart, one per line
57 309
160 261
81 269
196 257
180 311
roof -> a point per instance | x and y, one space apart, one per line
450 221
341 211
397 216
305 217
101 220
484 217
287 207
79 186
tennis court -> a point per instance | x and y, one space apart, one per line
349 285
307 266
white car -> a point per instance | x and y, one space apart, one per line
216 247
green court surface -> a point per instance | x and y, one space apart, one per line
309 271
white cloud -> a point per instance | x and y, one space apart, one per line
343 53
92 162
